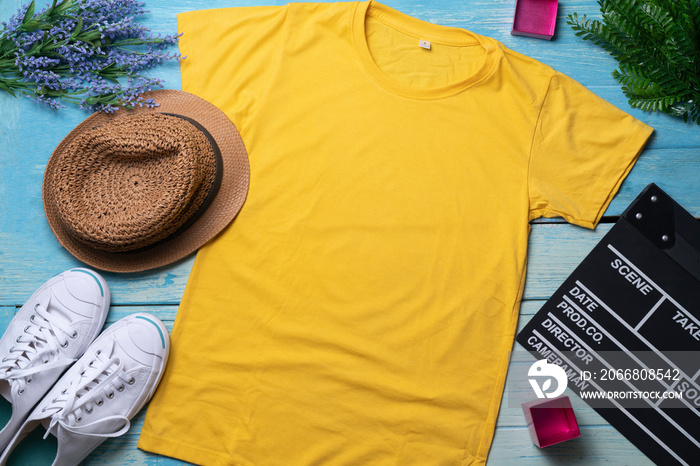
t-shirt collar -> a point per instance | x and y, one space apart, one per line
422 30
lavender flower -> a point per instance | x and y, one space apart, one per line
91 53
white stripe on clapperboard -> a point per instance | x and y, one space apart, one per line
613 401
649 314
664 295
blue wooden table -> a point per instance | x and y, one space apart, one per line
30 254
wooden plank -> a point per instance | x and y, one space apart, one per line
597 445
511 446
164 312
6 314
25 271
555 250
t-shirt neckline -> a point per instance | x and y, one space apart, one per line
422 30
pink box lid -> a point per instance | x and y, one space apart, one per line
535 18
551 421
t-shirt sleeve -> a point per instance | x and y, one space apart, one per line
234 67
582 149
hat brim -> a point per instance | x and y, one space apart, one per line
226 205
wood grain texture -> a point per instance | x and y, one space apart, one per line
30 254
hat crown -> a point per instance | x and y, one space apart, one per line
133 181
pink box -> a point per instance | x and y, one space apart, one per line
551 421
535 18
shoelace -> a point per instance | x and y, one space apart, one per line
44 337
101 377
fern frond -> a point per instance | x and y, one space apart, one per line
595 31
674 33
632 79
656 44
653 104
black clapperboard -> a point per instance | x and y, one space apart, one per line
632 307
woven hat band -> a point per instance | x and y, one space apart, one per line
136 181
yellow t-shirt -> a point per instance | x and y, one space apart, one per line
361 308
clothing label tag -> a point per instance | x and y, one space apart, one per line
424 43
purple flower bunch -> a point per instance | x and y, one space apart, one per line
91 53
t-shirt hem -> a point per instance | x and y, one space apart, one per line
610 182
184 452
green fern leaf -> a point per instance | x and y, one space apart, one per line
656 44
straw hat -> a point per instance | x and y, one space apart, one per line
139 189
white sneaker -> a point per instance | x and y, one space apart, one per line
53 328
98 396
